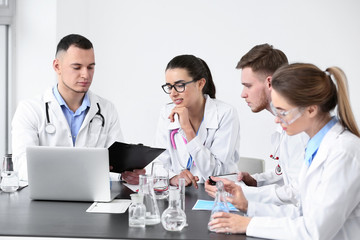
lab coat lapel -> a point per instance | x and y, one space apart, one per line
56 115
210 119
92 111
325 145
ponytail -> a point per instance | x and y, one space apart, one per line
344 111
209 87
291 80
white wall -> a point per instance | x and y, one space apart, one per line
3 70
134 40
35 47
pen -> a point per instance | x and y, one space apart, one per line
227 174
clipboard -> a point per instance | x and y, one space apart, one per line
126 157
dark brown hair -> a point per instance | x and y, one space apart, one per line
73 39
263 58
197 69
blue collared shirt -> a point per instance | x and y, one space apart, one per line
74 119
314 143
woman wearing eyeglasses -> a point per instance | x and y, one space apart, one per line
201 134
303 98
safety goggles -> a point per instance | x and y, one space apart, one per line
287 117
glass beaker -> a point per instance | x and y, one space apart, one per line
220 203
137 210
152 215
10 180
160 174
173 218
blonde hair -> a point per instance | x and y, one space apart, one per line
305 84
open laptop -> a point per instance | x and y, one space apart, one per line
69 174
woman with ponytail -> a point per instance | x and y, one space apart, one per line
303 100
201 134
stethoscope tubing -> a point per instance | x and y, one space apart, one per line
172 140
50 128
274 157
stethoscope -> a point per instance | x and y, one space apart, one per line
275 157
50 128
172 140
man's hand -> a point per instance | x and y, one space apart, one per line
247 179
132 177
236 198
210 189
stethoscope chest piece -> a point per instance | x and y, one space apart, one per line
50 129
278 170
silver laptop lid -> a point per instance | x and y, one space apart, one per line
68 173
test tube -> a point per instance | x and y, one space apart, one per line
182 193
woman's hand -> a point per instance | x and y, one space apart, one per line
189 179
247 179
229 223
184 121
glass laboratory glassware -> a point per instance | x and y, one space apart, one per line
182 193
152 215
137 210
220 203
10 180
160 174
173 218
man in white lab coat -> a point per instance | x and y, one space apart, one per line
277 186
68 114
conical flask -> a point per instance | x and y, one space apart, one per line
152 215
220 203
173 218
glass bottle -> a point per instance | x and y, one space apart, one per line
220 203
173 218
9 178
137 211
152 215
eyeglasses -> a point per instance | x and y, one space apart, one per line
179 87
287 117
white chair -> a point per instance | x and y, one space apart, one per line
251 165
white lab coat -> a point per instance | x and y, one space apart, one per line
329 195
215 150
291 151
29 122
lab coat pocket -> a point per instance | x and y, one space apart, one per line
96 134
96 140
